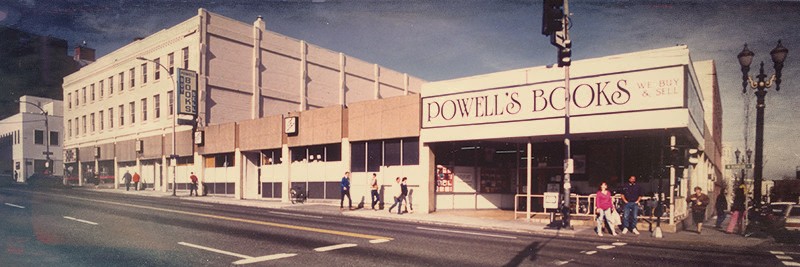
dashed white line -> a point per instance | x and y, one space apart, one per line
790 263
264 258
589 252
619 244
777 252
378 241
16 206
215 250
296 215
245 259
605 247
79 220
783 257
334 247
465 232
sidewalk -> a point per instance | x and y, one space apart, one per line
477 219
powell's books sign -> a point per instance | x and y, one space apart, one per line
652 89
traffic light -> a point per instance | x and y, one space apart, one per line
565 54
552 16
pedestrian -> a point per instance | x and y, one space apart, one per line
737 209
193 185
136 179
345 185
127 179
404 194
631 196
721 206
398 192
698 203
374 186
604 208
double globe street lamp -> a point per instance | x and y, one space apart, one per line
760 86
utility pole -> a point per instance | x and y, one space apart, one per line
555 23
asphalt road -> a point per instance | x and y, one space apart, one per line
63 227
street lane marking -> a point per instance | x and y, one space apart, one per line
215 250
211 216
605 247
334 247
783 257
264 258
776 252
378 241
590 252
790 263
465 232
619 244
245 259
79 220
197 204
296 215
16 206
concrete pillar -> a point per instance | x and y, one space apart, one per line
405 83
80 172
199 171
303 76
238 162
671 188
164 174
286 162
258 28
117 175
139 171
376 87
529 179
427 167
342 79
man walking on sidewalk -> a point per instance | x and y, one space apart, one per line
631 196
346 191
127 179
721 206
193 186
136 179
374 186
698 202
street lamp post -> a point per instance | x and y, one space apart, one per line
46 136
174 122
760 85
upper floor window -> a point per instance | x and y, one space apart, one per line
133 111
121 115
156 69
157 105
38 137
84 95
171 66
54 138
77 131
100 119
110 117
91 118
171 102
84 124
144 73
69 128
69 100
92 91
77 98
121 81
185 58
110 85
144 109
102 88
132 76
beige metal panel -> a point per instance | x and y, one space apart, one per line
153 146
357 67
318 126
86 153
231 26
390 90
392 78
415 84
323 57
216 30
230 64
125 150
106 151
280 73
323 83
184 144
227 106
264 133
358 88
273 106
220 138
384 119
281 44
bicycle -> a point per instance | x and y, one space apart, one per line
297 195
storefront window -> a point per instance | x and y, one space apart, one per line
333 152
392 155
271 157
358 156
410 151
374 156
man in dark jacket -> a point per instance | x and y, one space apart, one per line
698 203
346 191
721 206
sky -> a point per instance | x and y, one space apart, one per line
440 40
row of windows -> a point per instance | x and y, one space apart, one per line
371 155
38 137
83 126
366 156
81 96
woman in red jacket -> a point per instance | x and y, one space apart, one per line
604 208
